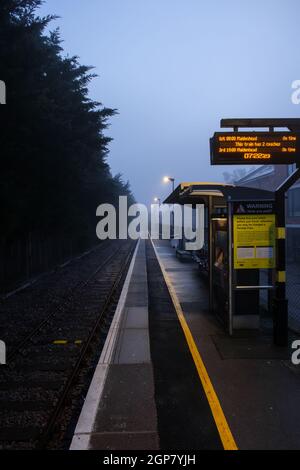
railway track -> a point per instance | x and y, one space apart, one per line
48 372
65 302
23 311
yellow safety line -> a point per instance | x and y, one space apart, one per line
63 342
215 406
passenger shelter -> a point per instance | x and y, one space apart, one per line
238 256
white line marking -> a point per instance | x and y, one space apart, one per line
89 411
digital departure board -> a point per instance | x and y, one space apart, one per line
255 148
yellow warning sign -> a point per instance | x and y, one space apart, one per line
254 241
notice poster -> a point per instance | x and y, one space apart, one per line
254 241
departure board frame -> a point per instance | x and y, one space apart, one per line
255 148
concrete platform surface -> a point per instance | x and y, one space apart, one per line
256 383
139 401
120 412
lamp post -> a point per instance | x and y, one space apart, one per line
157 200
168 179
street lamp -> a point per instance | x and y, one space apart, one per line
157 200
168 179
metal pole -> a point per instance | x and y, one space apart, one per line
172 209
280 303
230 271
210 252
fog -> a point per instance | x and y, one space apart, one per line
174 68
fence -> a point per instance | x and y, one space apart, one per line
27 256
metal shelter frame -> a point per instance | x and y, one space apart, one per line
204 193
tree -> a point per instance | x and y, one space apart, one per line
54 169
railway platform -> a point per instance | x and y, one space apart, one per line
169 377
120 412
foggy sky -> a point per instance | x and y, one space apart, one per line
174 68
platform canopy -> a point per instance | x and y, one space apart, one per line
199 192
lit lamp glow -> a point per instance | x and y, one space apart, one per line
168 179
